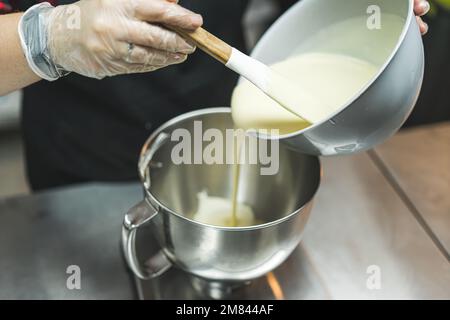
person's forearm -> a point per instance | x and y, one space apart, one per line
14 70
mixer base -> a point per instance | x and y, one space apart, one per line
294 279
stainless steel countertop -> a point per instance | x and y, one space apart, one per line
388 207
41 235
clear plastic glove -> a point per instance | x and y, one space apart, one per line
99 38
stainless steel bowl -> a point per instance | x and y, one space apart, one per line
282 202
378 111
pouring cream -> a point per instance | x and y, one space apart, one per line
332 78
217 211
306 88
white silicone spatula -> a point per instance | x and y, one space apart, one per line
274 85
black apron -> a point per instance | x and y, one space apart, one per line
78 129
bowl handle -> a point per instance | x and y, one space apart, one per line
147 153
138 216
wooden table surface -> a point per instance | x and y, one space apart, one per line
388 208
417 164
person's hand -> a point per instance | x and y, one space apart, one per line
99 38
421 8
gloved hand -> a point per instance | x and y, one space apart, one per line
99 38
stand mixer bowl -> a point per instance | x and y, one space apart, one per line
381 108
282 202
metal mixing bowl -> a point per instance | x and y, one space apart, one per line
380 109
282 202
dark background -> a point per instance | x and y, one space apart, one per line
434 101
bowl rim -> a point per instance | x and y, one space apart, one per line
292 12
154 201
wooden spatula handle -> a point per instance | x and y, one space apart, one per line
209 43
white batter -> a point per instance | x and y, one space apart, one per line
320 79
322 76
333 79
218 212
